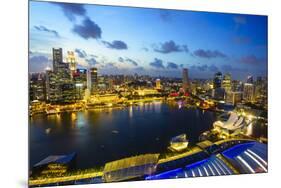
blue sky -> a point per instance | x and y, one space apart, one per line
123 40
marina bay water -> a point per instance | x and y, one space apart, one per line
103 135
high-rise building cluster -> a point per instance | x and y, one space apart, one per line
64 83
233 91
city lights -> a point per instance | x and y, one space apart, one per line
111 100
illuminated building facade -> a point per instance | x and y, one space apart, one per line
218 91
93 79
236 85
233 97
217 80
248 92
250 79
226 82
80 81
70 59
185 81
37 87
53 91
158 84
57 58
59 86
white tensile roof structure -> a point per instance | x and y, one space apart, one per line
234 122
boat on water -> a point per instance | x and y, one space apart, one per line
48 130
178 143
115 132
51 111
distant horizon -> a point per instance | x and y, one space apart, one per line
145 41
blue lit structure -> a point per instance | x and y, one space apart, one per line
248 157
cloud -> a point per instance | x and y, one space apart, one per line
116 44
172 65
94 56
92 61
38 59
139 69
200 67
81 53
71 10
241 40
131 61
169 47
88 29
121 59
157 63
240 20
145 49
211 68
209 54
45 29
38 63
165 15
252 60
229 68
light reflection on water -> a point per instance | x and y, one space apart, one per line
99 136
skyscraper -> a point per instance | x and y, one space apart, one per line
80 80
71 61
233 97
57 58
37 87
226 82
250 79
158 84
53 89
248 92
217 80
185 81
93 79
218 91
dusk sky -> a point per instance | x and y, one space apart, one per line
123 40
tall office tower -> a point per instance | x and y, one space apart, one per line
218 91
70 59
80 77
248 92
94 79
258 87
233 97
37 87
226 82
80 81
57 58
53 89
158 84
250 79
110 83
217 82
236 85
185 81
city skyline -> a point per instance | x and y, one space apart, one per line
149 41
157 94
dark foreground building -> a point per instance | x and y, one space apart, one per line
130 168
54 165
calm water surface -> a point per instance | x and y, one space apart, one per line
100 136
